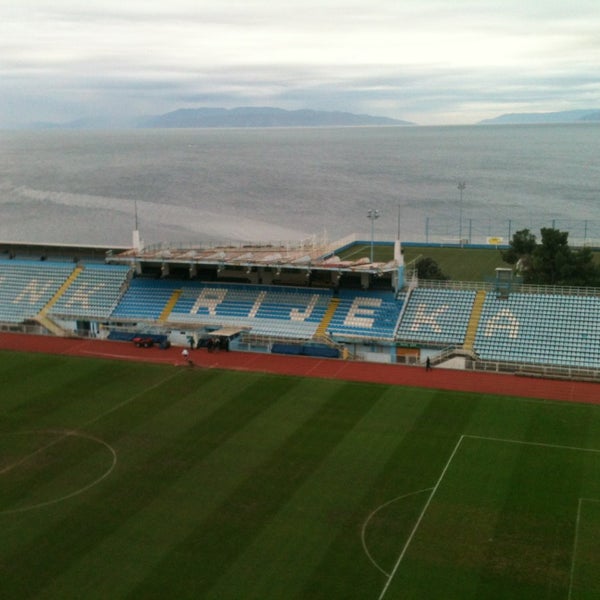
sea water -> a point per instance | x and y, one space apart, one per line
210 185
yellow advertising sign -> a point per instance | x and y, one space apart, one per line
495 241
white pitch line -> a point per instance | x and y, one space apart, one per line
576 543
27 457
540 444
79 491
371 515
446 467
418 523
128 400
65 434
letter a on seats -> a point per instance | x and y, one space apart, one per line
503 321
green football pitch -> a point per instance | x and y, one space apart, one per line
127 480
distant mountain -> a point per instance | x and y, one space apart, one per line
222 117
593 116
85 123
263 117
567 116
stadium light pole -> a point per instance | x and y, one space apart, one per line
461 188
372 215
136 241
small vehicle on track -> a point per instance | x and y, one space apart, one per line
142 341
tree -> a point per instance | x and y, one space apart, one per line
587 272
521 247
427 268
552 262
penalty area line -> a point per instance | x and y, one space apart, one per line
576 543
421 516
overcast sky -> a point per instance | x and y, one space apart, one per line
428 61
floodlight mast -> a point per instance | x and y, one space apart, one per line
372 215
461 188
136 240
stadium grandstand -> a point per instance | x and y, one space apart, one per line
300 298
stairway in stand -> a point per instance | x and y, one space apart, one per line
474 320
169 306
321 331
43 319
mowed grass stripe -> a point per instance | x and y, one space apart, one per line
551 423
66 393
533 537
585 570
132 487
35 387
117 424
415 464
144 539
61 461
205 446
282 559
456 525
21 530
52 456
46 466
535 525
501 525
228 530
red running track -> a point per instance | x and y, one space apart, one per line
444 379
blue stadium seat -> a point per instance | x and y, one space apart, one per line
365 314
436 316
27 286
94 293
265 310
541 329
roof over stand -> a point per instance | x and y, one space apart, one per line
302 255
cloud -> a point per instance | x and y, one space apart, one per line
426 60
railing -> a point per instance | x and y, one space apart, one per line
528 370
445 354
327 248
524 369
312 242
254 340
520 288
23 328
533 370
